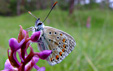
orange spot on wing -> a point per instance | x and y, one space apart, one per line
61 34
64 46
63 50
64 40
51 59
57 57
60 53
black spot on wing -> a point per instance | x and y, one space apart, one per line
49 32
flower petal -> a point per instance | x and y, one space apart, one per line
22 34
41 69
35 59
44 54
35 36
8 66
13 43
31 64
36 67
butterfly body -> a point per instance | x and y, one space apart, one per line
56 40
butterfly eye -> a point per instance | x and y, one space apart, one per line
39 24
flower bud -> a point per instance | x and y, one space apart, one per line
13 43
44 54
35 36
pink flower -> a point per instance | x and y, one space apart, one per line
9 67
20 46
35 36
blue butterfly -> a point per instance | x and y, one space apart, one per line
53 39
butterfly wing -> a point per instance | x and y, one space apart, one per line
59 42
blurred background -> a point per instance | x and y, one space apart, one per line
90 22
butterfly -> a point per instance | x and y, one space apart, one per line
53 39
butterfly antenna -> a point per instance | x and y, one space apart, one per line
50 10
32 14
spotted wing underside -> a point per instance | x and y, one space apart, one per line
59 42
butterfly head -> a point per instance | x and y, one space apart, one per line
39 25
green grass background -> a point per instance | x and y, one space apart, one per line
94 46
